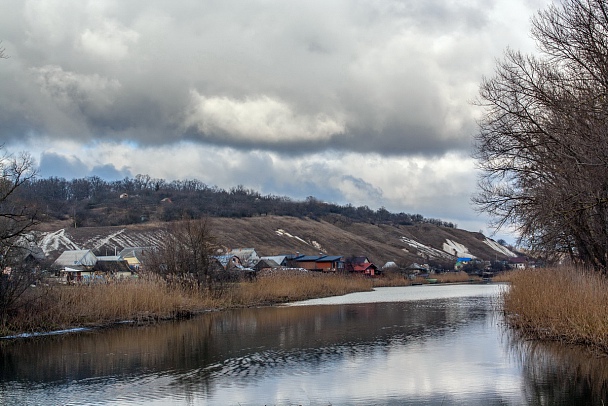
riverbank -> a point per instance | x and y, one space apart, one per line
149 299
566 305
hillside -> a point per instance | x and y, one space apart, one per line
274 235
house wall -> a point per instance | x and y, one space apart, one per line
329 266
310 265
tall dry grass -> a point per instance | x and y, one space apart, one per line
455 277
390 279
565 304
63 306
290 287
149 299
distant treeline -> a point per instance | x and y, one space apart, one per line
92 201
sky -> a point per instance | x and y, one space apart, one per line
365 102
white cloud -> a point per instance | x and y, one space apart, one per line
259 119
111 40
47 22
361 102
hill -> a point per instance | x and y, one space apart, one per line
275 235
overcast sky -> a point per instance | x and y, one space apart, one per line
350 101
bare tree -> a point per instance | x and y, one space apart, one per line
543 142
16 219
185 253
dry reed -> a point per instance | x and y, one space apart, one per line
566 304
150 299
390 279
454 277
289 287
63 306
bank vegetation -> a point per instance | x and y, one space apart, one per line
561 304
150 298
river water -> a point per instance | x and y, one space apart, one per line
419 345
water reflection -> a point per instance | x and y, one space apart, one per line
557 374
439 351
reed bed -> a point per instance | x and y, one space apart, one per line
566 304
455 277
101 303
390 279
290 287
149 299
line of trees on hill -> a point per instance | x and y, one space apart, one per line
92 201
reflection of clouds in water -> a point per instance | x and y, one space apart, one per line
416 361
450 351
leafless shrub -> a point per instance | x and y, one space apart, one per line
185 257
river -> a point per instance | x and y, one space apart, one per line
419 345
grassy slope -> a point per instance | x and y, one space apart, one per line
337 236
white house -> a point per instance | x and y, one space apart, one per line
74 258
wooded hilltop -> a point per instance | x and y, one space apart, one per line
91 201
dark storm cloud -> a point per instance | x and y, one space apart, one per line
389 77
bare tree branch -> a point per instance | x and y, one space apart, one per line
3 54
542 145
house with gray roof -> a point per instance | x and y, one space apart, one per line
248 256
74 258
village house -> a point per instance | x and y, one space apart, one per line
518 262
265 264
114 266
415 269
361 266
247 256
84 265
322 263
390 266
229 261
461 262
31 254
76 265
281 260
135 256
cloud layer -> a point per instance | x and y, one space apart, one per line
339 85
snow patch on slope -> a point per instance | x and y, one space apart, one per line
497 247
282 232
318 246
99 241
56 240
457 249
60 240
425 250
